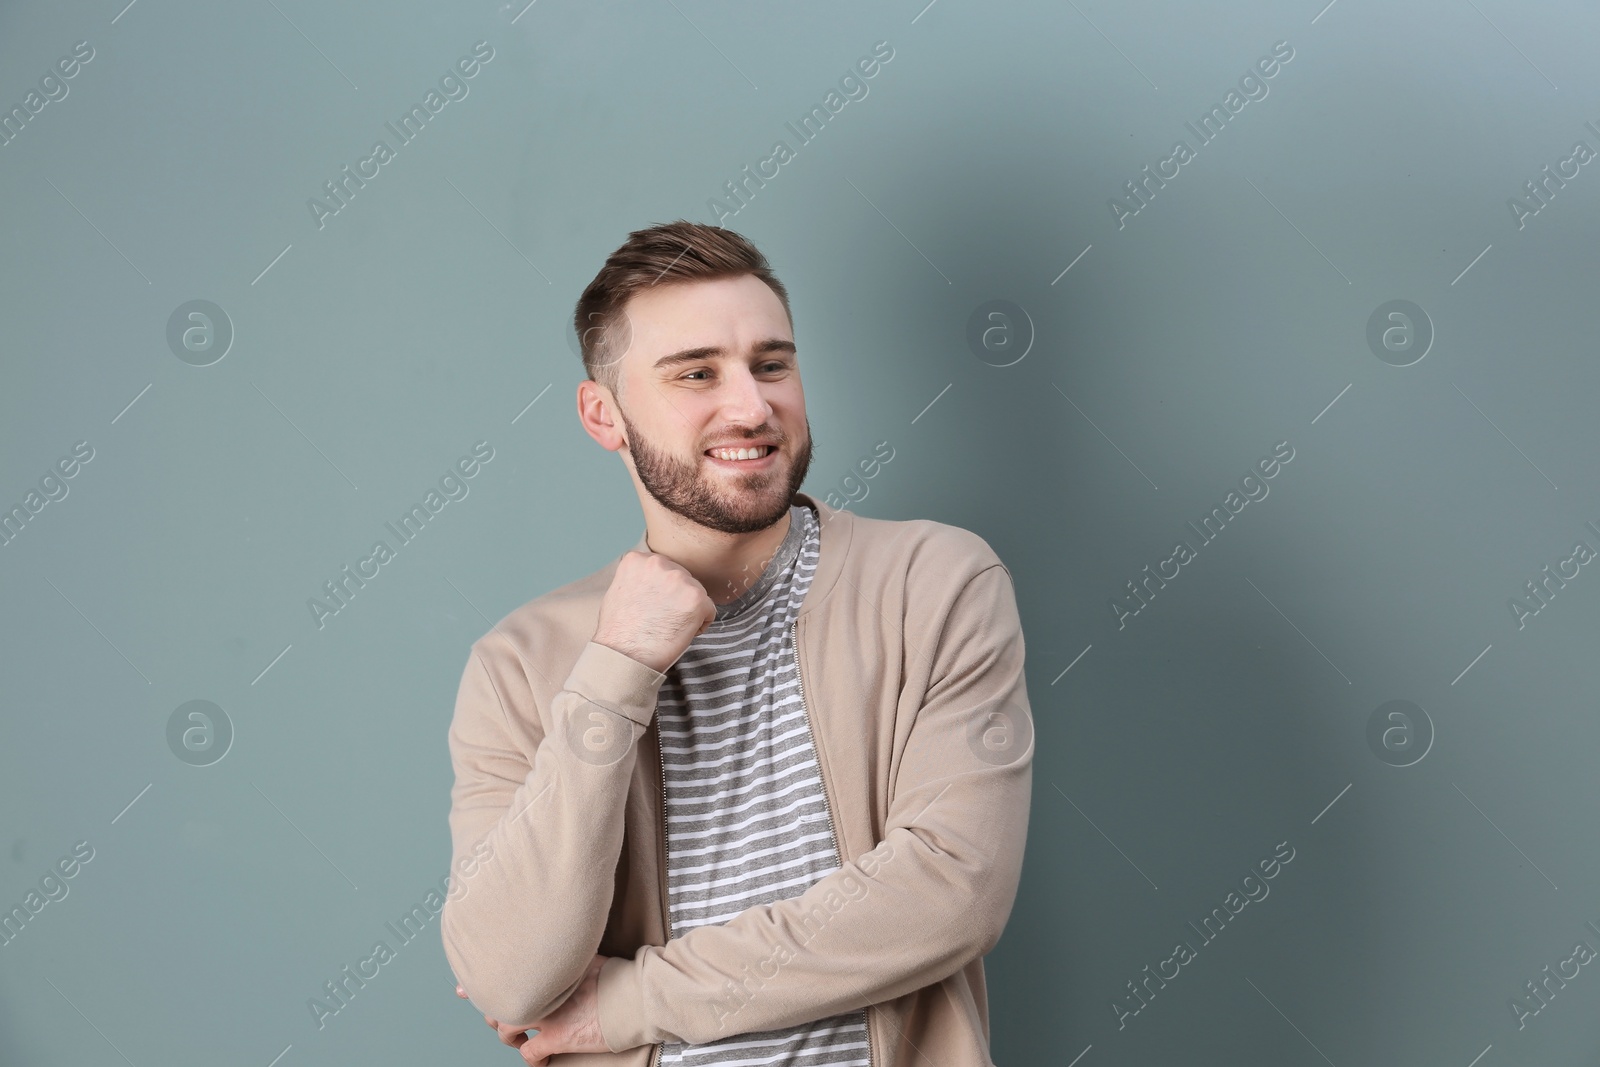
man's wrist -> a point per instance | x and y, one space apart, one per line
618 645
616 681
619 1004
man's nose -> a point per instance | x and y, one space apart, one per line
743 401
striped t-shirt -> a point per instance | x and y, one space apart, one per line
747 819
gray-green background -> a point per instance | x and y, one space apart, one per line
1229 314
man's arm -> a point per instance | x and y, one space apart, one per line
934 895
521 926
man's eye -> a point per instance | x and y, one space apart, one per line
776 366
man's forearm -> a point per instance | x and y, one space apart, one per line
917 908
522 927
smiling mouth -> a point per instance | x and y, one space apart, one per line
764 452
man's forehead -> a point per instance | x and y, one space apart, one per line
685 308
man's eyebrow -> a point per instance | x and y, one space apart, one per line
694 355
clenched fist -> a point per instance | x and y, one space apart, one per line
653 610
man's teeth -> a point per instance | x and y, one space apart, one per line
739 453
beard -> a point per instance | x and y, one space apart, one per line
732 503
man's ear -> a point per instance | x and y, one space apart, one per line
596 407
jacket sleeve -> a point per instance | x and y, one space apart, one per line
932 896
536 832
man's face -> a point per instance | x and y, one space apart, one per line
712 363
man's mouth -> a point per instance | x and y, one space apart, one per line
754 456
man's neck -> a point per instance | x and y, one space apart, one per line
727 565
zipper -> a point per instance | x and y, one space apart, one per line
794 643
666 908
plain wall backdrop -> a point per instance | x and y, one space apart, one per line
1370 271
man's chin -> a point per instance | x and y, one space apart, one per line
751 501
756 502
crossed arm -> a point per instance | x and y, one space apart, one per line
931 896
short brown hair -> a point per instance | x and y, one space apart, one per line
679 251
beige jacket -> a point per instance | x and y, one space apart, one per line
911 676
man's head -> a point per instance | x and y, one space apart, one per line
687 326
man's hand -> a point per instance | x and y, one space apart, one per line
653 610
573 1027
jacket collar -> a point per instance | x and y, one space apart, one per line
837 527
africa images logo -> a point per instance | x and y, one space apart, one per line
343 189
1252 84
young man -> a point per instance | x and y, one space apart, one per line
757 790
